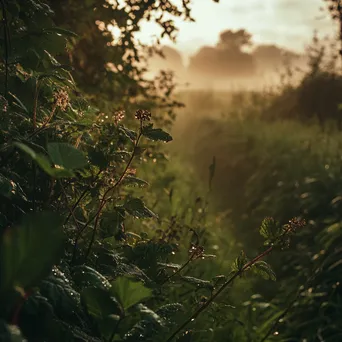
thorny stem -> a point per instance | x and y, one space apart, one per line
105 199
218 292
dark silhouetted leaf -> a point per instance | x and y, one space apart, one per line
28 252
156 134
137 208
66 156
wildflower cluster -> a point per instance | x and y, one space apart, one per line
61 99
143 115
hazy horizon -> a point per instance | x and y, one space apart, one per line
286 23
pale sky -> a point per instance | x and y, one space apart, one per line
287 23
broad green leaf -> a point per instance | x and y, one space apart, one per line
100 303
129 292
28 252
66 156
137 208
44 163
156 134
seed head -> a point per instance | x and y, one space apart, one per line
62 99
143 115
118 116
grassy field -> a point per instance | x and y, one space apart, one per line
282 169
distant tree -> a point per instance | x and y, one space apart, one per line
227 58
107 59
234 40
168 58
270 56
335 8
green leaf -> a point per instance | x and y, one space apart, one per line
270 229
28 252
200 283
168 310
131 135
66 156
148 327
61 31
19 103
112 222
134 181
44 163
137 208
85 276
64 299
100 303
264 269
156 134
240 262
129 292
98 158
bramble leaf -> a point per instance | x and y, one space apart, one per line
137 208
129 292
265 270
22 248
156 134
66 156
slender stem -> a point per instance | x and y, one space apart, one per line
179 270
35 105
111 339
34 171
81 197
43 126
104 198
218 292
66 199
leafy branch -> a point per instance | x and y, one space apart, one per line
267 230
